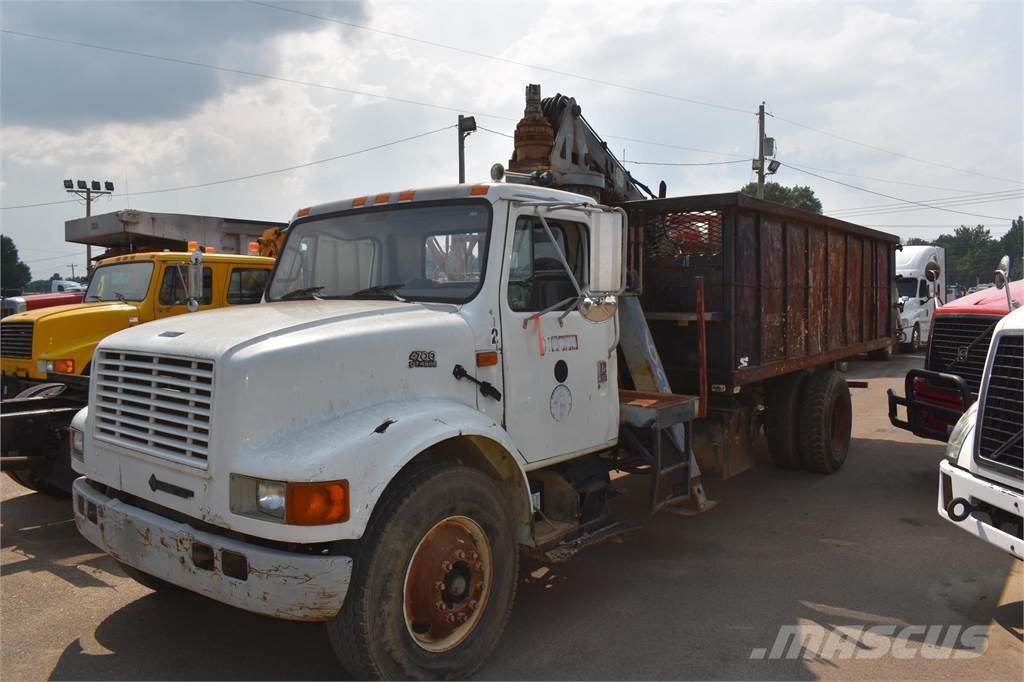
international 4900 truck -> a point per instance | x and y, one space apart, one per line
432 385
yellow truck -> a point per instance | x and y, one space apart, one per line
45 354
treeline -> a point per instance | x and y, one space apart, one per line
972 253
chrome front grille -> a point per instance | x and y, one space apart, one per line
156 404
959 345
1000 440
16 340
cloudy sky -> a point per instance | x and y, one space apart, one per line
921 101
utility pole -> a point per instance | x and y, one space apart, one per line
88 191
72 266
467 124
760 151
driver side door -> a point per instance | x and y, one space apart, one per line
560 384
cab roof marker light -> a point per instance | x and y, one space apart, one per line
302 212
361 201
254 248
382 199
407 195
193 246
479 190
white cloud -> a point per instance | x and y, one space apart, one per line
939 85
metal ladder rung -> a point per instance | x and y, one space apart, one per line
673 467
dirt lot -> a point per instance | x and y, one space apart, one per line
681 598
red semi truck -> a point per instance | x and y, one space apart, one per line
937 395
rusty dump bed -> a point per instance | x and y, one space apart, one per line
784 289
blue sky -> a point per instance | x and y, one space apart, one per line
939 82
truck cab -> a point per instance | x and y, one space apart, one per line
920 285
55 344
981 480
937 395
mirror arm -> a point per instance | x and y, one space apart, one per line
558 251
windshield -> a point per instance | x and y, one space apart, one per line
426 253
127 281
906 287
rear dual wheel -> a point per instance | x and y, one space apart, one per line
809 421
434 579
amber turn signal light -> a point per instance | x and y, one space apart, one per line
317 504
487 359
64 366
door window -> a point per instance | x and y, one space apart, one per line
537 280
173 289
246 285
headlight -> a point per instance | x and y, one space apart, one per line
963 430
271 497
301 504
77 439
66 366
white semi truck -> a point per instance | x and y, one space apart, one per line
432 384
921 285
981 481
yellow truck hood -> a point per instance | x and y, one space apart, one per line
72 331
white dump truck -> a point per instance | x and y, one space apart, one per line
981 481
921 286
432 385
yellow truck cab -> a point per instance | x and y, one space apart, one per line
55 344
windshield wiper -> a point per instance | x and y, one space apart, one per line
388 289
299 293
120 296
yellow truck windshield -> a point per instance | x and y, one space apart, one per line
123 281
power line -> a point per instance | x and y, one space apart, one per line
254 74
978 197
889 196
622 86
496 132
260 174
705 163
675 146
912 209
884 180
889 151
505 60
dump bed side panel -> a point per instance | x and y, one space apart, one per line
784 289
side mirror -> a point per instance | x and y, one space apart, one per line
195 281
1002 274
607 254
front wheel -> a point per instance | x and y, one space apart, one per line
434 579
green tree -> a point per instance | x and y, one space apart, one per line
797 196
917 241
14 274
1012 245
971 254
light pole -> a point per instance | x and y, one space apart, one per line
88 191
467 124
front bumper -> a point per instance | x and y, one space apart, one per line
925 418
281 584
955 483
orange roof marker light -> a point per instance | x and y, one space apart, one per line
193 246
254 248
208 249
407 195
479 190
302 212
382 199
361 201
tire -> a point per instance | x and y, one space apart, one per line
826 420
147 580
914 346
781 421
383 630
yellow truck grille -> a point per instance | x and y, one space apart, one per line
16 340
156 404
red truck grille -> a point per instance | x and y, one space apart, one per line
959 345
16 340
1000 440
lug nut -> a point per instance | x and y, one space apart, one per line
473 603
459 554
439 586
439 605
450 618
479 566
462 618
446 566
